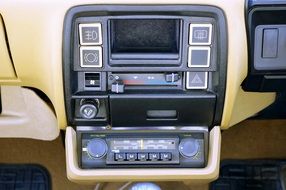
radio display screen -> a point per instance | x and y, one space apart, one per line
143 144
145 35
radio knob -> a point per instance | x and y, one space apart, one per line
97 148
89 108
189 147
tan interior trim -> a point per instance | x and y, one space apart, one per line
243 108
35 40
207 174
25 115
6 65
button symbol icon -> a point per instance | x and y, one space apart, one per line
150 78
92 82
200 34
197 80
91 35
90 57
88 112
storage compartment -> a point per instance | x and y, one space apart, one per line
144 36
162 110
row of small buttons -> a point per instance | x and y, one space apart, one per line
162 156
199 40
90 40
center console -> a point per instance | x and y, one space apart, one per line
144 85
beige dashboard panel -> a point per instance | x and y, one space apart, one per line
25 115
199 175
6 65
35 40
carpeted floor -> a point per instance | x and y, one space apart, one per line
251 139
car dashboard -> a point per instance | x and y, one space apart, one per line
142 90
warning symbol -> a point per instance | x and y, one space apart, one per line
197 80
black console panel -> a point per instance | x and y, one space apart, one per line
144 66
266 26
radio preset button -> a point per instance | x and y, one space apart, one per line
91 56
165 156
119 157
142 156
199 56
131 156
90 34
197 80
154 156
200 34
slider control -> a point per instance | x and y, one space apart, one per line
117 87
172 77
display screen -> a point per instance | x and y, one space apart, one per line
145 35
143 144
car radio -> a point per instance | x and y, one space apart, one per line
148 67
184 147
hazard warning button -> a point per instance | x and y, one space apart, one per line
197 80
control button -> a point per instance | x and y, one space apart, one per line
270 43
166 156
119 157
89 109
142 156
189 147
200 34
199 57
131 156
197 80
97 148
153 156
90 57
117 87
92 80
90 34
172 77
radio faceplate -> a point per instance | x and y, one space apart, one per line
134 147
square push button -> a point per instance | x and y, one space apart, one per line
90 34
200 34
90 57
199 57
197 80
